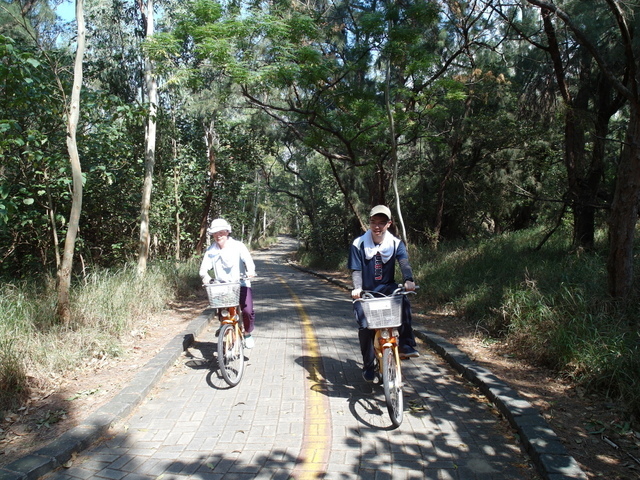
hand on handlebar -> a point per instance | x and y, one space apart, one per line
410 286
356 293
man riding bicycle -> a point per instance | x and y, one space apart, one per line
372 260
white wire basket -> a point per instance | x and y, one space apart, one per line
223 294
383 312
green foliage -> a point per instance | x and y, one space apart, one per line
313 259
321 75
32 172
293 100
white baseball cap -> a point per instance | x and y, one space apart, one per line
380 210
218 225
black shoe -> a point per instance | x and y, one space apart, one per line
369 374
408 351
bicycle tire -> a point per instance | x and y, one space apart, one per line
230 354
392 381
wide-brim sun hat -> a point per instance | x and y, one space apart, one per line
218 225
380 210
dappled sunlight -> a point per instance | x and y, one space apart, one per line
294 394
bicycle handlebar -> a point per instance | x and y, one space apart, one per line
214 281
365 294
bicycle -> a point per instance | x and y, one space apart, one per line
225 298
384 315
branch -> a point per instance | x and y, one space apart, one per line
554 52
585 42
268 109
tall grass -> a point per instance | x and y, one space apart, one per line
552 304
105 306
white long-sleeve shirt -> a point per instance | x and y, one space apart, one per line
230 264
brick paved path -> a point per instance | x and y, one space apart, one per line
302 409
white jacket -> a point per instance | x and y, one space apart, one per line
230 264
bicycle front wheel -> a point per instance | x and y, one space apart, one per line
230 354
392 380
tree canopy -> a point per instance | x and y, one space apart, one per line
468 118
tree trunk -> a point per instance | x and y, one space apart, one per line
64 272
457 139
52 219
176 196
624 211
211 141
606 105
150 149
574 158
394 150
440 201
580 197
254 216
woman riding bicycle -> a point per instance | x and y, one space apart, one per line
231 262
372 260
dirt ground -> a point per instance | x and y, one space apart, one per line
594 430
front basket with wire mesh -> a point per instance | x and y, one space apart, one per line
383 312
223 294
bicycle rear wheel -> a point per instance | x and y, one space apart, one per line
230 354
392 381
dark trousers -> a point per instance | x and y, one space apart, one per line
366 336
246 307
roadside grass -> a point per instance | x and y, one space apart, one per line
105 305
550 304
327 261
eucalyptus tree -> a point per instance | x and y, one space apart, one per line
73 115
147 12
30 125
120 64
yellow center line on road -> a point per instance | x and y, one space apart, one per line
316 442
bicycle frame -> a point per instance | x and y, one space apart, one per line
386 338
385 345
390 371
229 315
